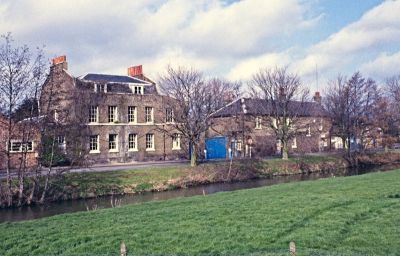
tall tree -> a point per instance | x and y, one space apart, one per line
286 99
21 73
195 99
352 105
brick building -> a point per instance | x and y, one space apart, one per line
24 141
244 127
119 118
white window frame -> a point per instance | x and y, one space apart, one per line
113 145
258 123
149 117
21 147
132 114
294 142
132 138
95 143
176 141
93 114
61 142
169 115
112 114
239 145
150 142
308 131
56 115
138 89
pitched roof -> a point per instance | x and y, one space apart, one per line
260 107
113 79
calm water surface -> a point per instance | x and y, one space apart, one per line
40 211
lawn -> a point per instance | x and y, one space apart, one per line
357 215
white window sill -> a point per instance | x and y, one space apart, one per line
133 150
308 135
16 152
176 148
258 128
132 122
94 151
150 149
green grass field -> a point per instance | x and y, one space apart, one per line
336 216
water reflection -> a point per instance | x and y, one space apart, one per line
34 212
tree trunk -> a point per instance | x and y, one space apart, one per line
193 156
285 150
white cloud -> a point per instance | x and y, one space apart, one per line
377 28
246 68
385 65
105 36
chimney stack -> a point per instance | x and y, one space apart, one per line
317 97
135 71
60 60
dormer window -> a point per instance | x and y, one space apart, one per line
138 89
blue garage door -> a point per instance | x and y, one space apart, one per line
216 147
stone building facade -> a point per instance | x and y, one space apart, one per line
120 118
245 127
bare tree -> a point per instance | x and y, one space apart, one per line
21 74
285 98
353 105
195 99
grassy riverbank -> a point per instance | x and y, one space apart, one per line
83 185
336 216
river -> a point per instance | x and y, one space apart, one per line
54 208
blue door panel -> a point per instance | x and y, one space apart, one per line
216 147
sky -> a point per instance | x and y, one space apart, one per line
227 39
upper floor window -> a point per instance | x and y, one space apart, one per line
56 116
93 114
132 114
113 142
132 142
169 115
94 143
308 131
137 89
112 114
149 141
176 141
258 122
19 146
149 114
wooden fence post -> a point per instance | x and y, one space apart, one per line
123 249
292 249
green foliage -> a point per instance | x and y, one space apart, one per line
335 216
51 153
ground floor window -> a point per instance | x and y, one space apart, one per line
294 143
132 141
149 141
94 143
176 141
113 142
19 146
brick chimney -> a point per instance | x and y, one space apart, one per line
135 71
60 60
317 97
